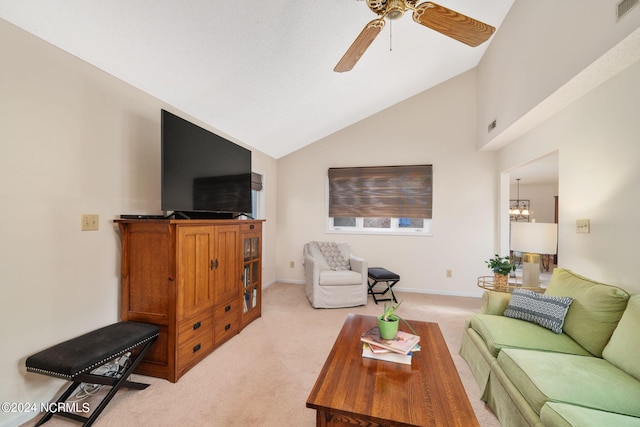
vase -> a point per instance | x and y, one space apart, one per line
500 281
388 328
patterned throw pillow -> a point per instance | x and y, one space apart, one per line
333 256
546 311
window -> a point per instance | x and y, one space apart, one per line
257 198
380 200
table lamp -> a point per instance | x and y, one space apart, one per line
533 239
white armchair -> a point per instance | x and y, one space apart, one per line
331 288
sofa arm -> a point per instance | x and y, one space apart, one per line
494 302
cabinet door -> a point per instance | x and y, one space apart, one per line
196 264
227 276
251 276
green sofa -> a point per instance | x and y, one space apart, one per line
587 375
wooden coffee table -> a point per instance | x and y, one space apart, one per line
352 390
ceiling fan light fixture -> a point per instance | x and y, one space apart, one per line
395 9
394 14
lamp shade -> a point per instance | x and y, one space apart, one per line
534 237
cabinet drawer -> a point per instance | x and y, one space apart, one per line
226 321
256 226
195 327
194 350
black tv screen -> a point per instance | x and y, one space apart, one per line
202 172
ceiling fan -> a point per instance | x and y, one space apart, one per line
439 18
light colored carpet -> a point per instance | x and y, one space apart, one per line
263 376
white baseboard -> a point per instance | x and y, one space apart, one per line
295 282
475 294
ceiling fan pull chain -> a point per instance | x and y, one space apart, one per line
390 36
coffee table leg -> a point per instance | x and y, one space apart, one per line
322 418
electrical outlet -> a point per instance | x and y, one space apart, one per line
292 264
449 273
90 222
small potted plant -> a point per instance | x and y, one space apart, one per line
501 267
388 322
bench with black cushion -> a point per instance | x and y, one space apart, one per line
382 275
75 359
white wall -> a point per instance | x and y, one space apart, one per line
599 154
541 45
436 127
75 140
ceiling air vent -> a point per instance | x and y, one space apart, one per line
625 7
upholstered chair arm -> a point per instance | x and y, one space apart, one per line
495 302
358 264
312 272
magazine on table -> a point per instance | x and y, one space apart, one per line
402 343
389 356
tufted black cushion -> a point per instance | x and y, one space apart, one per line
87 352
381 274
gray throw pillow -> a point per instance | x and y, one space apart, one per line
546 311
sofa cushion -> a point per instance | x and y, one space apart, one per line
340 278
594 312
623 349
500 332
555 414
547 311
581 380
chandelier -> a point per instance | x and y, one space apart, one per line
519 209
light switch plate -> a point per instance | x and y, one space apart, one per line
90 222
583 226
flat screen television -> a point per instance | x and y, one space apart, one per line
203 174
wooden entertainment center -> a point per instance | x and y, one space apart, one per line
198 280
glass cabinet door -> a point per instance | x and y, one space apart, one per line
251 273
251 292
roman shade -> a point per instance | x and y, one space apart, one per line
381 191
256 181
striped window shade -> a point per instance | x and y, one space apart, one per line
381 191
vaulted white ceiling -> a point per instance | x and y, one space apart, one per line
260 72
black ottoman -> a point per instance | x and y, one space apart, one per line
382 275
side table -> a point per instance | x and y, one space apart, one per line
487 283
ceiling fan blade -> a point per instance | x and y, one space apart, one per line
359 46
452 24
